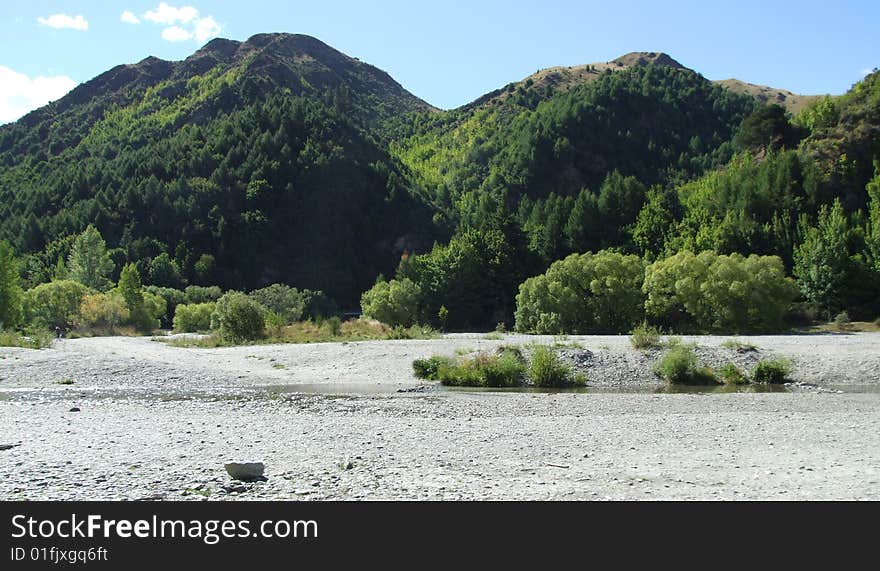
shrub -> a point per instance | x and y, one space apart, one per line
334 326
192 318
55 304
429 368
546 370
730 374
238 318
842 322
583 294
37 339
201 294
150 318
709 292
275 325
173 298
772 371
645 336
283 300
103 312
464 373
680 366
395 302
503 369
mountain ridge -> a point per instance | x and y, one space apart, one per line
281 159
302 49
562 78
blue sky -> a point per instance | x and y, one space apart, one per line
448 52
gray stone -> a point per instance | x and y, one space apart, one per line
245 471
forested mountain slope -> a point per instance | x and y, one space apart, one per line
280 159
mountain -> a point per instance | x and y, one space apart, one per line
280 159
792 102
564 78
565 129
268 158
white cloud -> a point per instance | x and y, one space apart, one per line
19 94
206 28
62 21
129 18
867 71
169 15
176 34
183 23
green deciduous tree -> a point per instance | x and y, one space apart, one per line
711 292
55 304
10 290
90 263
238 318
102 311
193 318
164 272
395 302
283 300
144 308
823 264
872 235
584 293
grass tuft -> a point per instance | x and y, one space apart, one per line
680 366
772 371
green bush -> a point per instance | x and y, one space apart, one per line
55 304
283 300
173 298
680 366
504 369
201 294
275 325
395 302
192 318
429 368
501 369
772 371
842 321
710 292
645 336
334 326
36 339
153 309
238 318
546 370
583 294
730 374
102 312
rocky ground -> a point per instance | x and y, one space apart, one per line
143 420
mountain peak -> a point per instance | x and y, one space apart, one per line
647 58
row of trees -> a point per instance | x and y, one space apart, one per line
610 292
82 295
